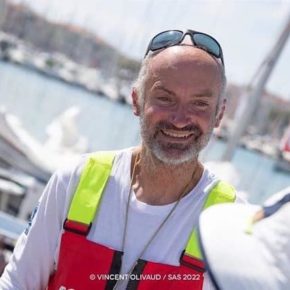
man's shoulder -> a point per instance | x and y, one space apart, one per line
227 174
223 170
75 168
223 185
72 169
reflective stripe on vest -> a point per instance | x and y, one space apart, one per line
92 184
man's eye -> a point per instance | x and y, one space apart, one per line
200 104
164 99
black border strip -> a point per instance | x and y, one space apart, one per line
138 270
191 266
115 269
68 225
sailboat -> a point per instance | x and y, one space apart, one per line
247 110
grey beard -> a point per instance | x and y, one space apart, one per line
187 153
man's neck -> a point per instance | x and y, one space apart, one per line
157 183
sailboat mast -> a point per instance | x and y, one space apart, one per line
254 99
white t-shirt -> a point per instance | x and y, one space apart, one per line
36 253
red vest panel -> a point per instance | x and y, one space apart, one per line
85 265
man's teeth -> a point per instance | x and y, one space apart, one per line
176 134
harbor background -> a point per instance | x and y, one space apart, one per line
66 71
38 100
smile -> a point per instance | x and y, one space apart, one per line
176 134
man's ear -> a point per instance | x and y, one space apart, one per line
135 103
220 113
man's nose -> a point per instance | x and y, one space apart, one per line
180 117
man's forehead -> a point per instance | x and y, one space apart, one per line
180 62
203 92
182 55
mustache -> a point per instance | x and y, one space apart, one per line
189 128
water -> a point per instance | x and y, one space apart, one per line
37 100
257 174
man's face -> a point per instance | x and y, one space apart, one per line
179 110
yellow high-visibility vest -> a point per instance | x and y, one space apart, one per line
94 177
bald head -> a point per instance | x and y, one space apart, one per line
187 54
185 59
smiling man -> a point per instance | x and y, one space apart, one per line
127 219
183 89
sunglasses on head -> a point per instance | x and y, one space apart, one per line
199 39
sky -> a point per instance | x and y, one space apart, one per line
246 29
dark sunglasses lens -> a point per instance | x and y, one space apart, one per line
165 39
207 43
